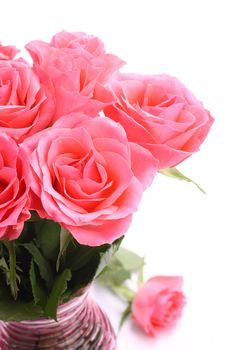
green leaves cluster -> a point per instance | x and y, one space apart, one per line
44 267
117 274
121 267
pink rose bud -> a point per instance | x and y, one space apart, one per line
159 113
158 304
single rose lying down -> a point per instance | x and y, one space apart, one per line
158 304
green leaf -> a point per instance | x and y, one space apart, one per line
114 273
79 255
82 277
43 265
175 173
39 294
4 267
6 272
59 287
13 278
129 260
65 238
120 267
19 311
86 263
48 239
123 292
106 256
125 315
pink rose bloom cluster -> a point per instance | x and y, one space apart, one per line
61 158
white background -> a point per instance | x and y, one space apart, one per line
180 230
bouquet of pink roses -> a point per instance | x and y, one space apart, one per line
79 143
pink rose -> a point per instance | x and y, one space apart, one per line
161 114
78 69
80 44
8 52
87 177
24 108
14 188
158 304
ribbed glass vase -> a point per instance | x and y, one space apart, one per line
80 325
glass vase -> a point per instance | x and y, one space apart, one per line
81 324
